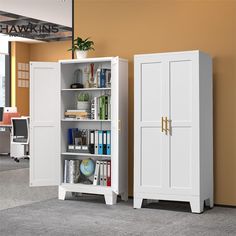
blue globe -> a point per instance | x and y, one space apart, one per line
87 167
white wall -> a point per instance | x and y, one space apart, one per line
55 11
3 46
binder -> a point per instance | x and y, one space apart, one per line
91 141
105 173
100 142
104 142
101 172
108 173
96 142
108 142
96 173
106 107
70 139
102 107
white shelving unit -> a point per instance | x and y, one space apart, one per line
50 97
173 141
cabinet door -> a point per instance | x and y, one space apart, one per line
150 143
44 123
184 116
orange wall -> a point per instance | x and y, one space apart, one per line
53 51
19 96
24 53
128 27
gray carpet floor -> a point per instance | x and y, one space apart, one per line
90 216
15 190
7 163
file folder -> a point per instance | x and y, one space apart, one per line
96 173
108 142
100 142
108 173
101 173
91 141
96 142
105 173
104 142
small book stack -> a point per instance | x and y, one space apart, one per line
71 171
77 114
102 174
101 108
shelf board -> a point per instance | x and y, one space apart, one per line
86 89
84 154
86 188
89 120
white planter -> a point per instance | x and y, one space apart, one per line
83 105
81 54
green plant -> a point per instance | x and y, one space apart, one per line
82 45
83 97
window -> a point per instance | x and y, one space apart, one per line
4 80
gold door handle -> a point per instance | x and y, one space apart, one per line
166 125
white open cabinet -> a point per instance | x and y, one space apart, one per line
173 132
50 97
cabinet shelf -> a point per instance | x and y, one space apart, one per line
86 89
83 154
86 188
88 120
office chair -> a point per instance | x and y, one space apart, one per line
20 138
1 113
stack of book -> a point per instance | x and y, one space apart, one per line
101 108
103 78
102 174
77 114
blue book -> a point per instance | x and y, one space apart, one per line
100 142
70 137
103 78
108 142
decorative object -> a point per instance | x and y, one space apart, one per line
83 102
81 47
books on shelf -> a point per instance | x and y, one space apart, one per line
102 173
101 108
77 114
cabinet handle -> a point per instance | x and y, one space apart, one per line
166 125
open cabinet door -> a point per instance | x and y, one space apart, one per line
44 123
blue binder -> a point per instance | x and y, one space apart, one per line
108 142
70 137
100 142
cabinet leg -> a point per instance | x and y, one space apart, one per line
124 196
138 202
62 194
110 199
209 202
197 205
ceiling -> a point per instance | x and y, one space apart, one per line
31 28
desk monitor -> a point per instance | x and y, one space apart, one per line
20 128
1 113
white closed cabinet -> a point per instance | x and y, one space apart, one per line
173 156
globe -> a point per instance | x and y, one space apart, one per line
87 167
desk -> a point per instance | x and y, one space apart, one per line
5 138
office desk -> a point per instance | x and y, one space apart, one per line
5 138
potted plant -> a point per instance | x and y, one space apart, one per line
81 47
83 102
